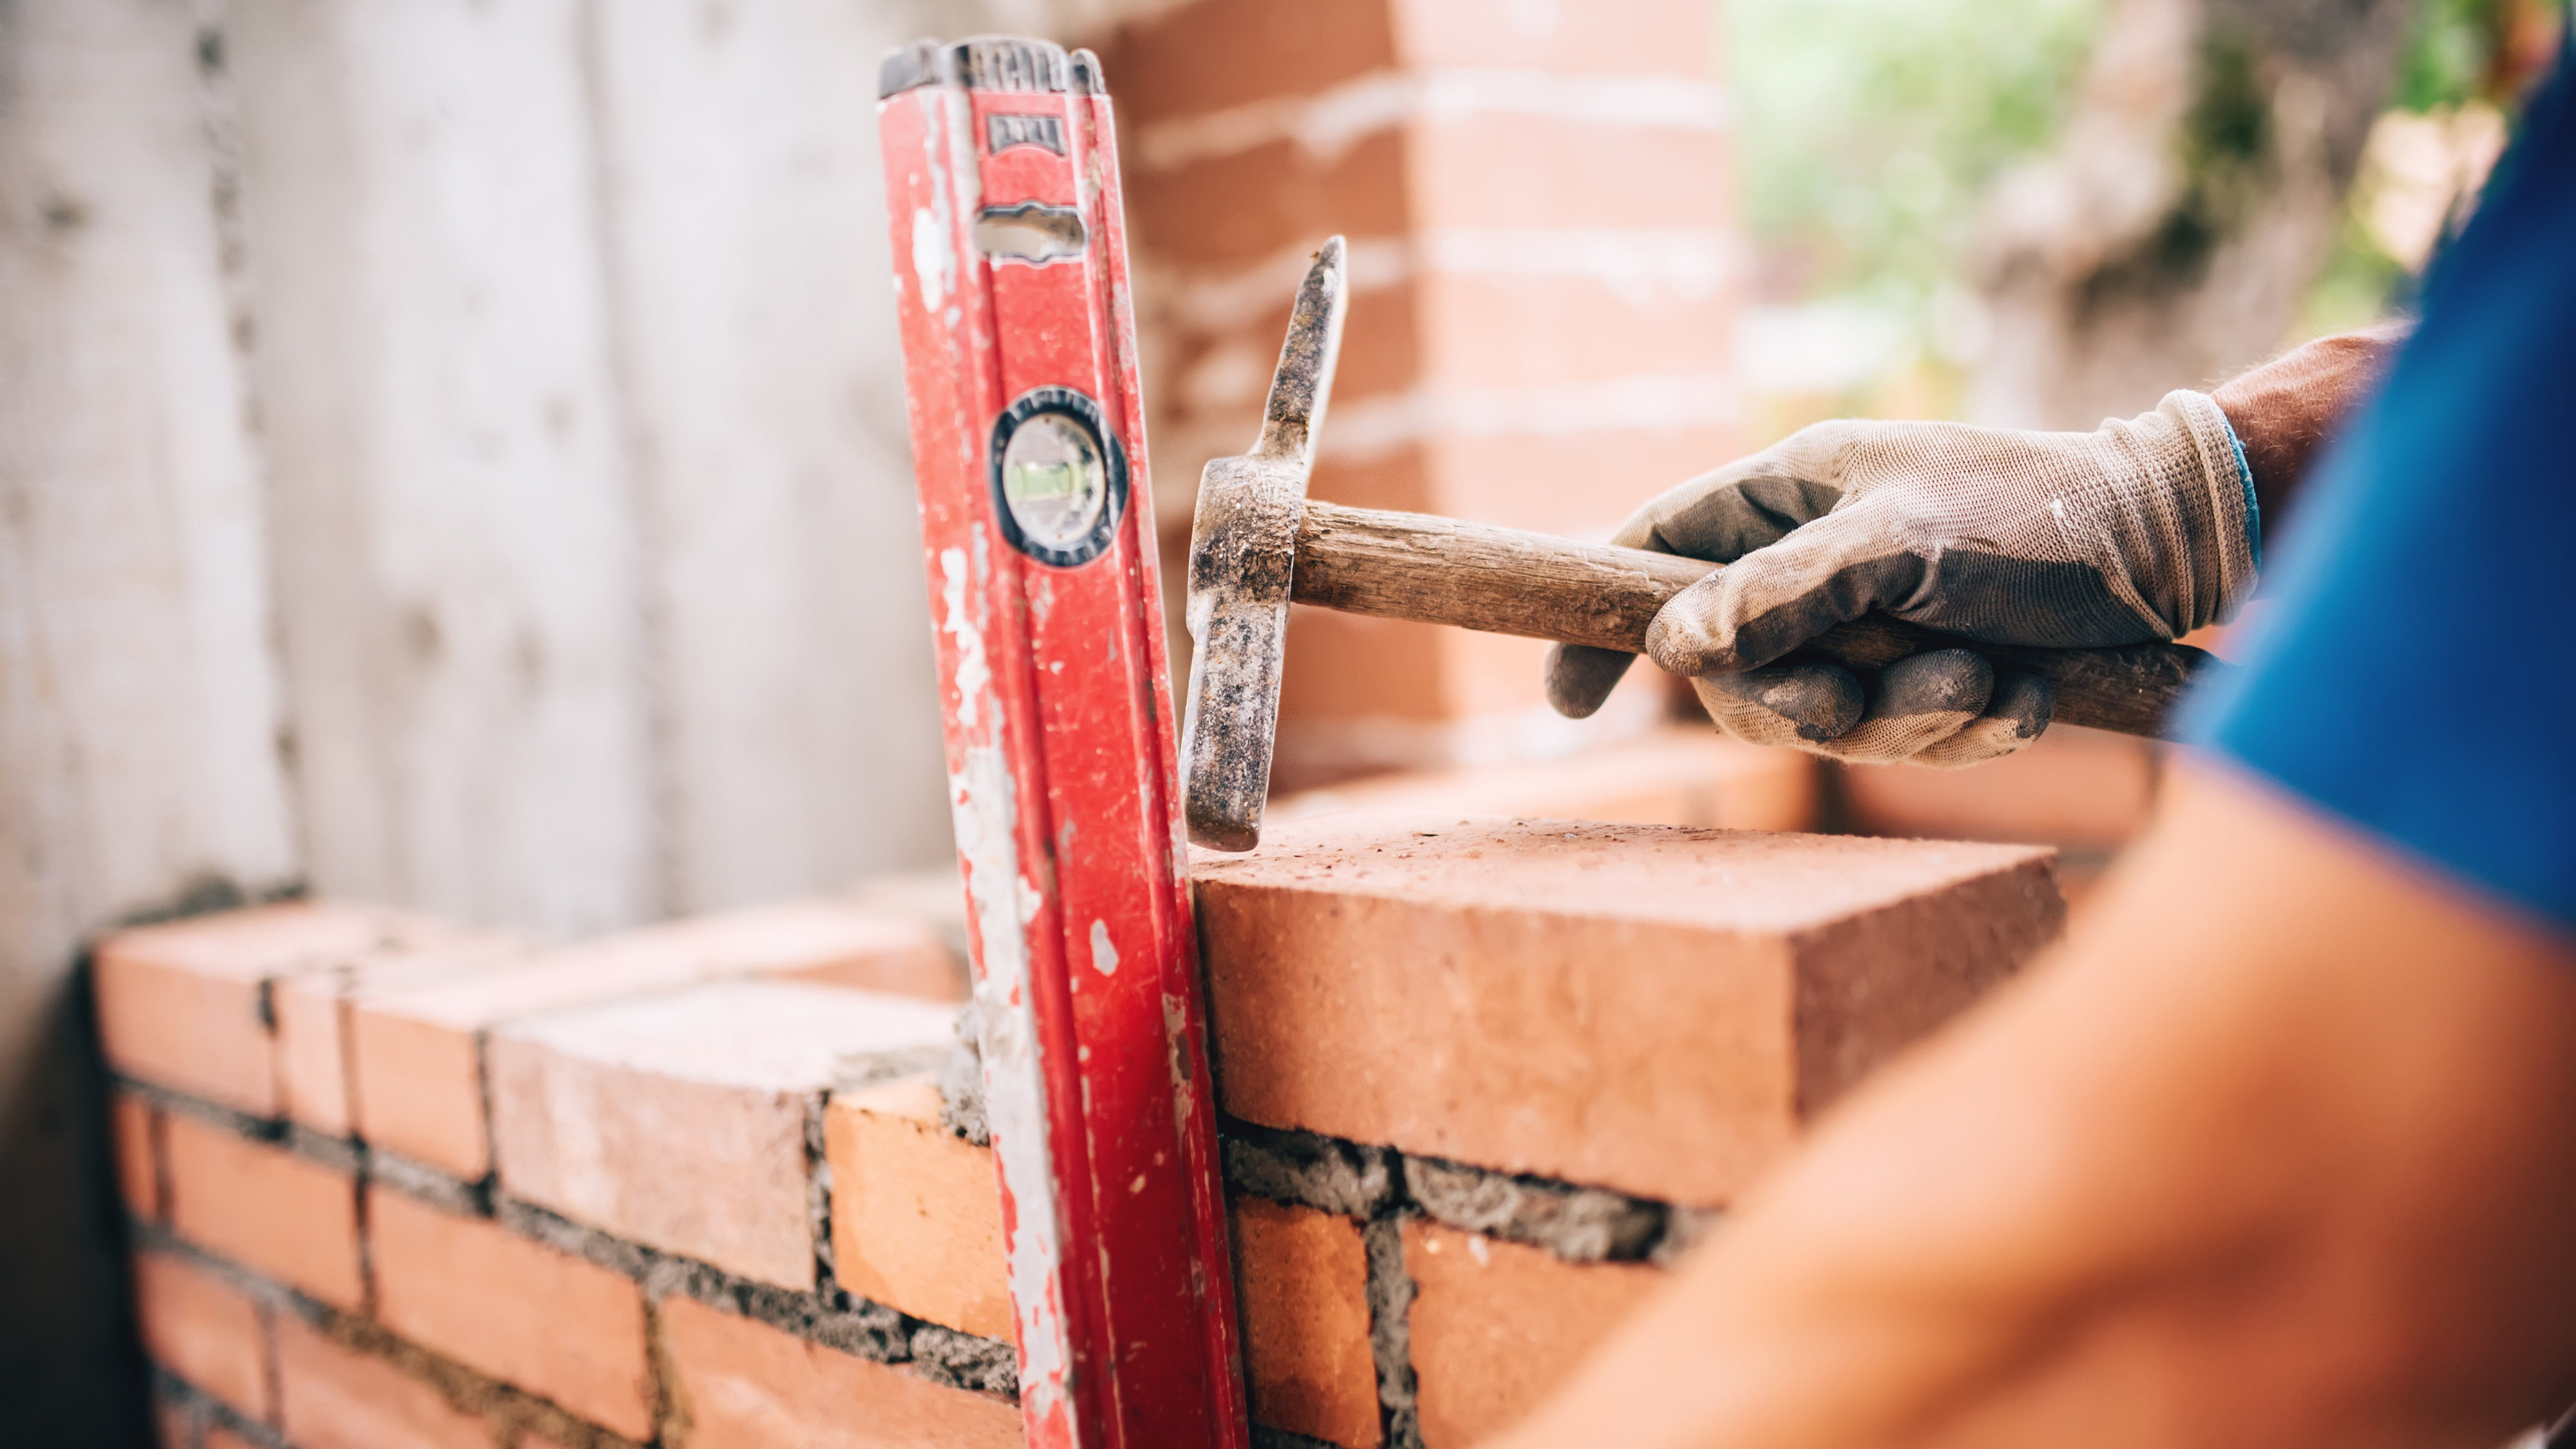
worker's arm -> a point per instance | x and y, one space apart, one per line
2142 529
2283 410
2273 1151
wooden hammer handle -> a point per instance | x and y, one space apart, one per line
1504 581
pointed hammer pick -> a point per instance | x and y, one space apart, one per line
1258 544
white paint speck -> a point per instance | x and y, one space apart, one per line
1104 955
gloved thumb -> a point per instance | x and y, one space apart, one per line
1774 599
1580 677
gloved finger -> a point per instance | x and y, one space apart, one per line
2017 714
1801 705
1719 515
1580 677
1916 703
1774 599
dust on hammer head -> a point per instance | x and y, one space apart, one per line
1243 555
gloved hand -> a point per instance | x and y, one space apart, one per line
2138 530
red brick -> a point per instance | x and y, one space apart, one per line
312 1010
1302 1279
1668 37
1674 775
1509 170
219 1437
1495 1325
916 1214
418 1053
181 1004
1509 331
331 1396
1656 1010
679 1120
209 1333
1246 206
1218 54
265 1208
746 1385
559 1327
135 1126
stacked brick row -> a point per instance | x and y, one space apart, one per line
701 1186
1543 264
396 1184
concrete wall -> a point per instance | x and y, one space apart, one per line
451 454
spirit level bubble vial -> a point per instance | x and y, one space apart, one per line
1028 439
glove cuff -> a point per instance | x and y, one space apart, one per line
2227 555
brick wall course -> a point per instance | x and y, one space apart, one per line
205 1330
739 1384
916 1215
331 1396
544 1321
1472 992
1218 55
1302 1281
311 1012
264 1207
185 1005
417 1053
681 1121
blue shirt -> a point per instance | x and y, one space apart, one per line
2416 674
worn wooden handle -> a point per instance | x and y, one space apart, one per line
1503 581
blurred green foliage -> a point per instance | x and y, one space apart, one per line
1869 128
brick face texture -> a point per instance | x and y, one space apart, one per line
1649 1010
680 1121
1495 1325
547 1322
335 1397
205 1330
745 1385
262 1206
916 1216
1303 1281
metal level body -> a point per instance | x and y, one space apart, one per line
1029 443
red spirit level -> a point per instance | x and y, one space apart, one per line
1028 437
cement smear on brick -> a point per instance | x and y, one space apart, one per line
1578 1224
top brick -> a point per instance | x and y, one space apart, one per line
185 1005
1651 1009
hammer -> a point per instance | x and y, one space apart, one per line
1258 544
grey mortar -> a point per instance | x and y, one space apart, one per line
1323 1173
1390 1301
965 1360
1578 1224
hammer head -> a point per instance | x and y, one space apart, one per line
1243 557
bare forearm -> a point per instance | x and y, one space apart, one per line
2282 1168
2284 410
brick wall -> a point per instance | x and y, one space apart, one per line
1542 266
719 1183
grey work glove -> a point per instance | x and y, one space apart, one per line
2138 530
